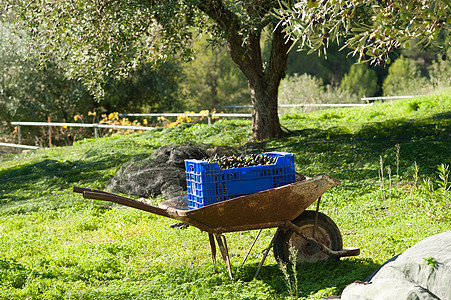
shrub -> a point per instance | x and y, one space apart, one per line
307 89
300 89
360 80
404 79
440 73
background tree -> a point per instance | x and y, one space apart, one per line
440 73
212 79
146 89
28 93
330 69
32 93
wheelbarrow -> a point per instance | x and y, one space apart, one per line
313 234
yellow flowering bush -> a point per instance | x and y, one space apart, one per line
186 118
115 119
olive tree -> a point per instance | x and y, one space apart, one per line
100 39
28 93
371 29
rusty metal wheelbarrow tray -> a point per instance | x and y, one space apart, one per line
265 209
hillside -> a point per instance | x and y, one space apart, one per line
56 245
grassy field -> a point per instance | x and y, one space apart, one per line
56 245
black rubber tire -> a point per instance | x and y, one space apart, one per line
327 232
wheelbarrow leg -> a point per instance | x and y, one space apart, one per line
224 252
266 253
252 246
213 250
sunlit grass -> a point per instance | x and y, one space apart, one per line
56 245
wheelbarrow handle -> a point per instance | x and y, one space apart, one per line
79 189
100 195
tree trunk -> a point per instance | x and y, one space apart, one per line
263 79
264 84
265 119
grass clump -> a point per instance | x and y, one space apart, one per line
56 245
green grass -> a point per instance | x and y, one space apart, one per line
56 245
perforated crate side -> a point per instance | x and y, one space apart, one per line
208 184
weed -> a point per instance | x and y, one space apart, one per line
443 182
434 194
389 182
381 178
398 148
431 261
290 274
416 177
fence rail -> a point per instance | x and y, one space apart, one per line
385 98
209 115
95 126
234 107
51 124
19 146
367 99
304 104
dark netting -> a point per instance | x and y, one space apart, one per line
162 173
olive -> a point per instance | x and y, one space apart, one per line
250 160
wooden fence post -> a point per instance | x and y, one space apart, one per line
19 135
50 132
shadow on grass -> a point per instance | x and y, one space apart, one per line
335 151
354 156
333 275
46 176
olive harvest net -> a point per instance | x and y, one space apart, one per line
162 173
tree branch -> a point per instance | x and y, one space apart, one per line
243 43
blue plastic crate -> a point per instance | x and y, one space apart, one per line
208 184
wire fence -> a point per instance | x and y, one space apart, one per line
209 116
234 107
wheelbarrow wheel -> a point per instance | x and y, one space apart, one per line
326 232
